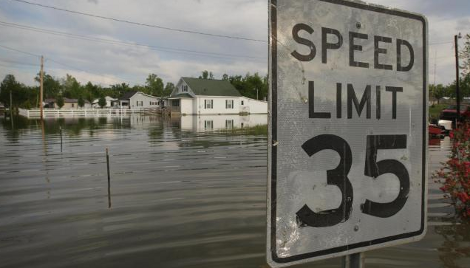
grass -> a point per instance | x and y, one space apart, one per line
435 110
255 130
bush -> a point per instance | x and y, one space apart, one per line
456 171
60 102
102 102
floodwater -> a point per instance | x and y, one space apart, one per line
179 196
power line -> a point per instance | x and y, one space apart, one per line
110 41
142 24
18 62
20 51
66 65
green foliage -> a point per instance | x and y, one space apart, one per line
438 92
51 85
435 110
168 89
81 102
206 75
69 87
154 84
102 102
60 101
22 96
250 85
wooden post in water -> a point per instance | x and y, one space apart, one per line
11 111
354 261
60 139
109 178
41 87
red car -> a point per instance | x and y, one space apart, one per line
450 113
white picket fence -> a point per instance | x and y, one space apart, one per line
36 113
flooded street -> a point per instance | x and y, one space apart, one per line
180 196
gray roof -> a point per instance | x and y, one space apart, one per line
128 95
208 87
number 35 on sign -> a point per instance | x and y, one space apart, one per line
348 129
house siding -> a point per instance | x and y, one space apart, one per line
186 106
219 106
219 122
253 106
144 100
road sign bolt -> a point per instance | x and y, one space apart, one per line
358 25
356 228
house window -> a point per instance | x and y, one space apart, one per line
175 103
228 104
209 104
242 103
208 124
185 88
73 105
228 124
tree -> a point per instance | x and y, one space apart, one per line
154 85
205 75
225 77
251 85
8 85
22 96
71 88
60 101
437 91
102 102
51 85
168 89
119 89
81 102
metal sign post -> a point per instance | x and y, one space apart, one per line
348 130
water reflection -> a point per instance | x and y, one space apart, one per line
454 252
201 123
182 196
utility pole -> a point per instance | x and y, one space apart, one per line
457 81
41 87
11 111
11 104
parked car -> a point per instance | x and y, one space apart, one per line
450 113
448 116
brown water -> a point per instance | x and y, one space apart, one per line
178 199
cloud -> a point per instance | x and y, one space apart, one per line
111 63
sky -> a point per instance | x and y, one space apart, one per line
108 52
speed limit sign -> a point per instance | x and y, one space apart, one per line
348 129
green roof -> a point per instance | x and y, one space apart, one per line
185 95
208 87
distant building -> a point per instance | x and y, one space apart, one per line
138 100
110 102
204 97
69 104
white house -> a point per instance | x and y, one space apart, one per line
201 123
109 102
69 104
206 97
138 100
